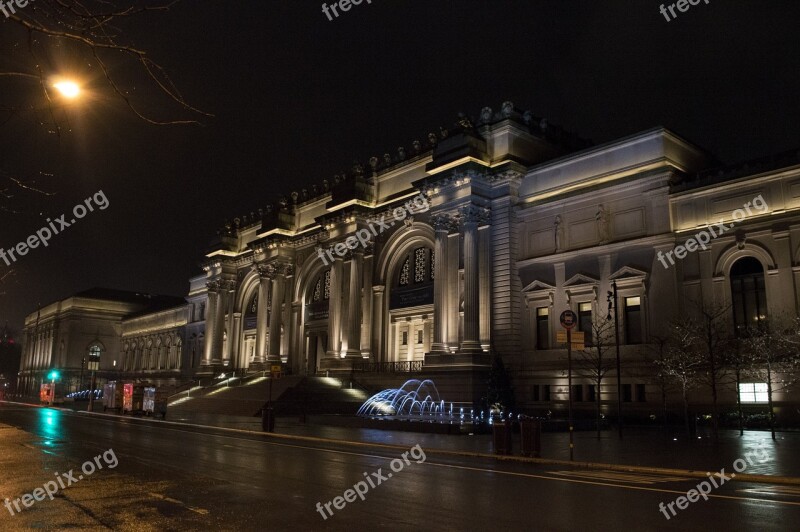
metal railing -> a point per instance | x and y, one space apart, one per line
388 367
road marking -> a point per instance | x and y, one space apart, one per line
786 491
623 477
200 511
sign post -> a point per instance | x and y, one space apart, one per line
568 321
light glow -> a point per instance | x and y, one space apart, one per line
68 89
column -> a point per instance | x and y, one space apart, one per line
235 341
229 286
485 286
334 309
366 308
378 326
219 325
276 313
354 306
211 312
452 296
471 341
262 315
441 224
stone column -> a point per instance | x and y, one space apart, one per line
219 325
229 286
442 224
278 274
354 306
485 285
335 309
235 341
378 326
472 215
366 309
262 315
211 312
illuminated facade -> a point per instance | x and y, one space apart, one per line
522 221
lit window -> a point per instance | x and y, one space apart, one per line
542 328
753 392
327 284
585 322
419 265
318 291
404 273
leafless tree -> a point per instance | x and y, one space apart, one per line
682 363
773 349
595 362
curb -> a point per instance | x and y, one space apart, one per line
694 473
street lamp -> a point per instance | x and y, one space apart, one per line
613 305
68 89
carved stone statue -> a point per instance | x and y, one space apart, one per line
508 109
486 115
603 218
558 230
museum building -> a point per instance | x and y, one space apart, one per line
479 237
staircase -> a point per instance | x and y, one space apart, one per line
291 395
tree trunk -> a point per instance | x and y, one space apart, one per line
597 408
771 406
739 400
686 412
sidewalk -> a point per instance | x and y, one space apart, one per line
640 446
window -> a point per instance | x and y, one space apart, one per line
577 393
546 389
419 336
590 393
404 274
536 391
433 263
405 338
585 322
633 320
748 293
753 392
542 328
626 393
93 363
419 264
641 393
326 285
202 311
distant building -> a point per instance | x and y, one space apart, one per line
90 327
472 242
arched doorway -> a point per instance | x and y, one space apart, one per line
316 299
411 303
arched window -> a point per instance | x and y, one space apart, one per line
93 362
322 287
417 267
749 295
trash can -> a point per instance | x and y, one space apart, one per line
267 419
502 437
531 432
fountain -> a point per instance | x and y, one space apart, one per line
415 400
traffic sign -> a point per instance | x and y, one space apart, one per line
568 319
275 371
561 337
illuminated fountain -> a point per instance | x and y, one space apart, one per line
415 400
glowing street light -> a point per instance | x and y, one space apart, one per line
68 89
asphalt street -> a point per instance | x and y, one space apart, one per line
171 477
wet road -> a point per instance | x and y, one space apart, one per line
171 477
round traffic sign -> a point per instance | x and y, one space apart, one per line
568 319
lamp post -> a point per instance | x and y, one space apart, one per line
613 305
53 376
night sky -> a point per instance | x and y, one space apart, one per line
297 98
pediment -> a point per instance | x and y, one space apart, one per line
626 272
580 280
538 285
